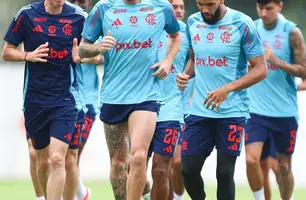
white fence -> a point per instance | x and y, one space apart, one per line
14 160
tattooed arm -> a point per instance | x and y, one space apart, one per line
88 49
298 47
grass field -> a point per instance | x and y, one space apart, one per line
22 190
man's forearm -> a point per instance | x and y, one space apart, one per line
174 46
254 76
189 69
293 69
87 50
16 55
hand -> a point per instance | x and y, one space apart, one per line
38 54
182 81
75 55
163 69
216 97
270 56
108 42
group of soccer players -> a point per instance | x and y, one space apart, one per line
171 91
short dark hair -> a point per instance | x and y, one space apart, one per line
265 2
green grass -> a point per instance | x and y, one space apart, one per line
22 190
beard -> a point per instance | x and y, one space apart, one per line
215 18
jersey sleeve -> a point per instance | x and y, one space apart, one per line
16 31
93 24
188 35
251 41
171 23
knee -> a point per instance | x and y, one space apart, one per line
119 165
160 173
224 173
71 161
57 160
43 165
33 157
138 159
252 161
284 168
176 164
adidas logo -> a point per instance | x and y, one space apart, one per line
117 23
196 38
37 29
168 149
233 147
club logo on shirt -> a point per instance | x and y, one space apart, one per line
134 45
118 11
196 38
160 44
150 19
117 23
145 9
211 62
52 30
133 20
17 25
226 37
277 44
67 29
210 36
40 19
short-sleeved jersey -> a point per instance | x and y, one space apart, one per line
171 96
221 53
53 83
276 95
137 28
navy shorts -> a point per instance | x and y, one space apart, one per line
269 149
28 135
56 122
119 113
202 134
282 130
180 140
90 118
165 138
76 136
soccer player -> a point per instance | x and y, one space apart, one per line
131 30
274 107
88 81
176 178
223 41
170 118
48 29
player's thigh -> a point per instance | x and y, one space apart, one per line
141 126
61 128
229 135
284 132
37 124
198 135
117 140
